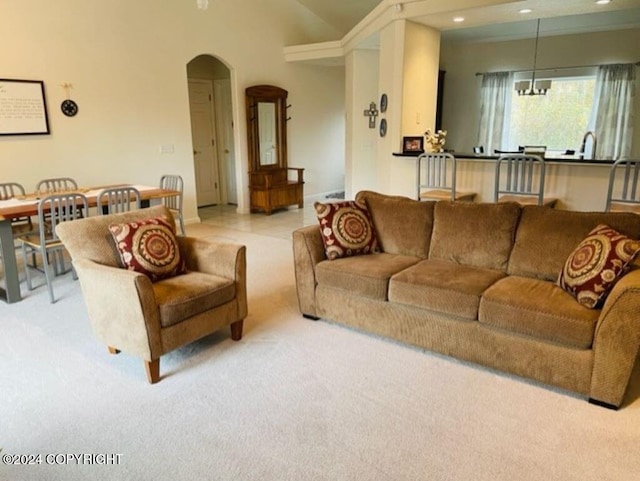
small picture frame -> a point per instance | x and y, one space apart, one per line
411 145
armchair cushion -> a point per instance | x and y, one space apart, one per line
184 296
149 246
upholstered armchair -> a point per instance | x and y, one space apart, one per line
130 313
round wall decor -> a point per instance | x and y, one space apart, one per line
383 127
69 107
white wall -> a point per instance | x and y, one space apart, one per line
127 63
461 104
361 89
421 63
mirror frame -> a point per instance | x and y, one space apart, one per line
277 96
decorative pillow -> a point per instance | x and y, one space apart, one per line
596 264
150 247
347 229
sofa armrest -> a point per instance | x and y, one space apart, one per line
132 324
222 259
616 341
308 251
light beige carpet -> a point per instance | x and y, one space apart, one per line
294 400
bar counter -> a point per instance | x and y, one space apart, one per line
578 184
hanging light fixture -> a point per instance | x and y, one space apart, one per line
533 87
202 4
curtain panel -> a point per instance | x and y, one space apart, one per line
495 105
612 115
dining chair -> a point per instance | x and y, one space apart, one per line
436 177
20 225
57 184
58 208
118 199
520 178
623 193
174 203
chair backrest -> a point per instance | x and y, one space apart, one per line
516 174
57 208
58 184
118 199
172 182
437 171
624 182
9 190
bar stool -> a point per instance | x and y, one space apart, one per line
520 183
624 179
436 178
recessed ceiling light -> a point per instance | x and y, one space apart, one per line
526 10
458 19
603 2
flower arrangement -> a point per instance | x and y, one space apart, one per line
436 139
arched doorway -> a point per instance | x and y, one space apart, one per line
212 131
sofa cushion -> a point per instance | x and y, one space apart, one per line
546 237
479 235
347 229
596 264
184 296
538 308
443 287
149 246
363 275
403 225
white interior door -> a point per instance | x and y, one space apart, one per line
205 155
226 146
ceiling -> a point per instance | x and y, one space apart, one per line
497 22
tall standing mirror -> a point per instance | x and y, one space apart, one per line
272 183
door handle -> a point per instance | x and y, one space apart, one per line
196 152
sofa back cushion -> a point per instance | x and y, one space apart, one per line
546 237
403 225
471 234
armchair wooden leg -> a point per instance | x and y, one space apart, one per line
236 330
113 350
153 370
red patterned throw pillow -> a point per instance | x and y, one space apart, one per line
596 264
150 247
346 229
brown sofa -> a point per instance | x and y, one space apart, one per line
478 282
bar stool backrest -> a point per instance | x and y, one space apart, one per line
624 183
520 174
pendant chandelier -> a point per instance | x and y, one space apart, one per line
533 86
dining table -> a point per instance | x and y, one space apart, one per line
27 205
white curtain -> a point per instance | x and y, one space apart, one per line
495 106
612 114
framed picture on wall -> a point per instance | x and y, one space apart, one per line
411 145
23 109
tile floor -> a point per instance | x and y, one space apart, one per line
280 223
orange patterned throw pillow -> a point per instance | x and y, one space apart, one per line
150 247
596 264
347 229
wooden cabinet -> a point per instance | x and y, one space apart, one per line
272 183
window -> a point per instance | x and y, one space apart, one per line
557 120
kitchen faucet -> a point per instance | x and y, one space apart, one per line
591 134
